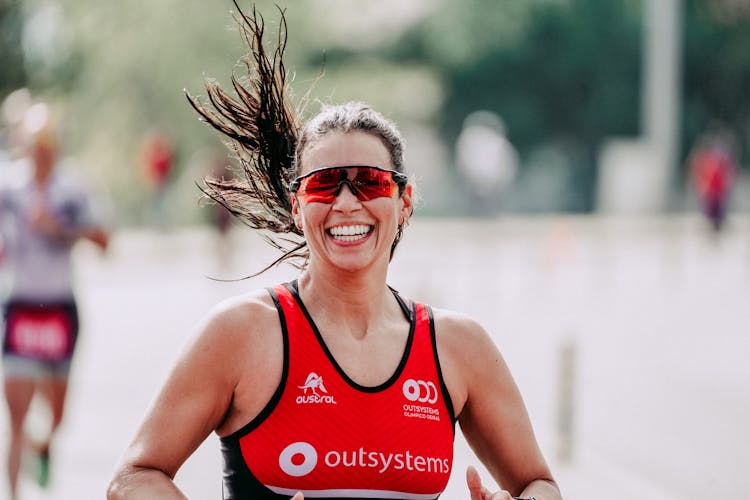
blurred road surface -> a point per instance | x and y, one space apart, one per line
655 314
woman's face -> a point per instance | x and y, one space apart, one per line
348 233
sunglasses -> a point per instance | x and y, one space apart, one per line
324 184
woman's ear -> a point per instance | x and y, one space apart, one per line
296 215
407 204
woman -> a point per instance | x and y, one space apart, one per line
44 215
333 385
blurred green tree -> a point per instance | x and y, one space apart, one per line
716 72
563 75
556 72
13 75
570 73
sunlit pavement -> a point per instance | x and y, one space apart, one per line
656 315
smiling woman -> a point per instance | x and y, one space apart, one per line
332 385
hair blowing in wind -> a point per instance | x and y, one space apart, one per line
261 128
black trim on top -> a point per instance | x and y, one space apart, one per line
405 308
274 401
443 387
293 288
238 483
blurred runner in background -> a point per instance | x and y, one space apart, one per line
156 163
221 217
44 210
712 171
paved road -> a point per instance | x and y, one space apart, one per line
658 316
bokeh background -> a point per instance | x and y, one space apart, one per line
577 87
550 141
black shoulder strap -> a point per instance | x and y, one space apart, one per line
405 307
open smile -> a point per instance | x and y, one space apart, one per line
350 233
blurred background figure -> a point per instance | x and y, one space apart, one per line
221 218
156 165
44 210
486 159
712 170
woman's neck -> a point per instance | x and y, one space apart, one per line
361 297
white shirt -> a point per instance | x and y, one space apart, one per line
40 266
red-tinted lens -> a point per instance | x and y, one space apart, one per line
373 183
321 186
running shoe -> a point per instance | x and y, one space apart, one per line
42 478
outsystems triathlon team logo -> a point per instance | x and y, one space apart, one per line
301 458
420 391
298 459
314 383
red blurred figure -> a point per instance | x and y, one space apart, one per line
157 158
712 171
156 163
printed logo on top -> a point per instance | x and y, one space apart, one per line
301 458
419 392
310 388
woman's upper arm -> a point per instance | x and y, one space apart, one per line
490 410
195 398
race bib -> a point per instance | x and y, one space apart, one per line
45 334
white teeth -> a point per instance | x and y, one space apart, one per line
349 233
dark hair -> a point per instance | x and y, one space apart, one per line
352 116
268 137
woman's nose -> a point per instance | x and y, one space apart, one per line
345 198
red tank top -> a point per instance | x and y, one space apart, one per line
327 436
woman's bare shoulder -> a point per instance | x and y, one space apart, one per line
247 316
454 327
240 343
463 347
463 340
